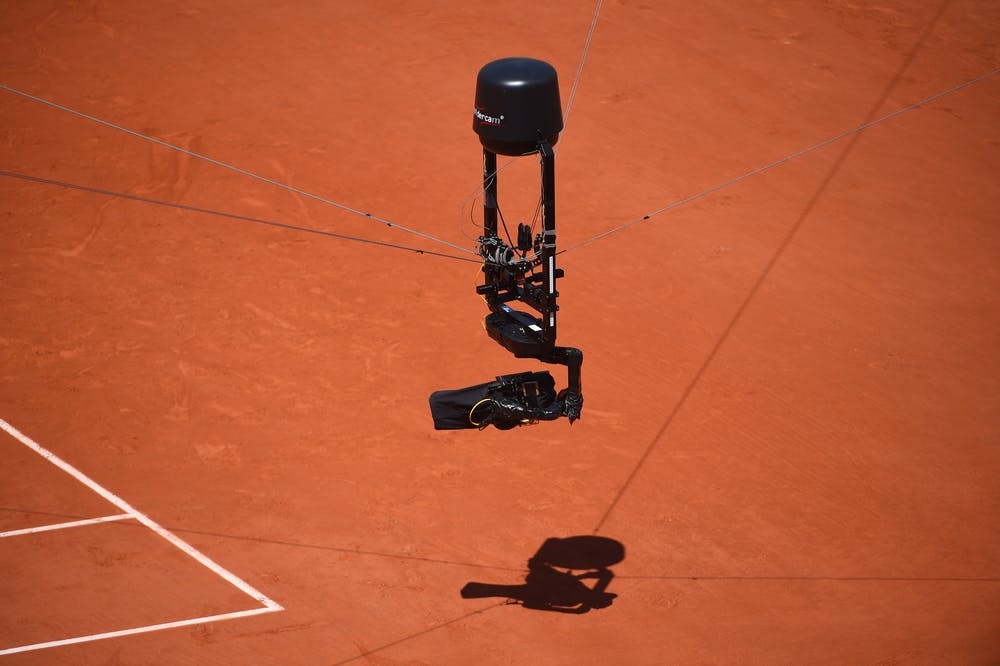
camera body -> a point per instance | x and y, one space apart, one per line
506 402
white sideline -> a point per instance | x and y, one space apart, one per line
62 526
269 605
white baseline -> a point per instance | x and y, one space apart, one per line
267 605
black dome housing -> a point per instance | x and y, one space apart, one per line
517 104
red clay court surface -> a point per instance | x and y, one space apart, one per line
792 378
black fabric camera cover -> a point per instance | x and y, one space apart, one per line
451 408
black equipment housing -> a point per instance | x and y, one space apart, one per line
517 104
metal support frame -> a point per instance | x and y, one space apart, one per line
523 333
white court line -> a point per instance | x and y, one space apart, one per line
62 526
269 605
138 630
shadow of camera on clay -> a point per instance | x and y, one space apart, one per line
566 575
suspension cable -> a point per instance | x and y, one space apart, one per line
237 169
783 160
232 216
583 59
